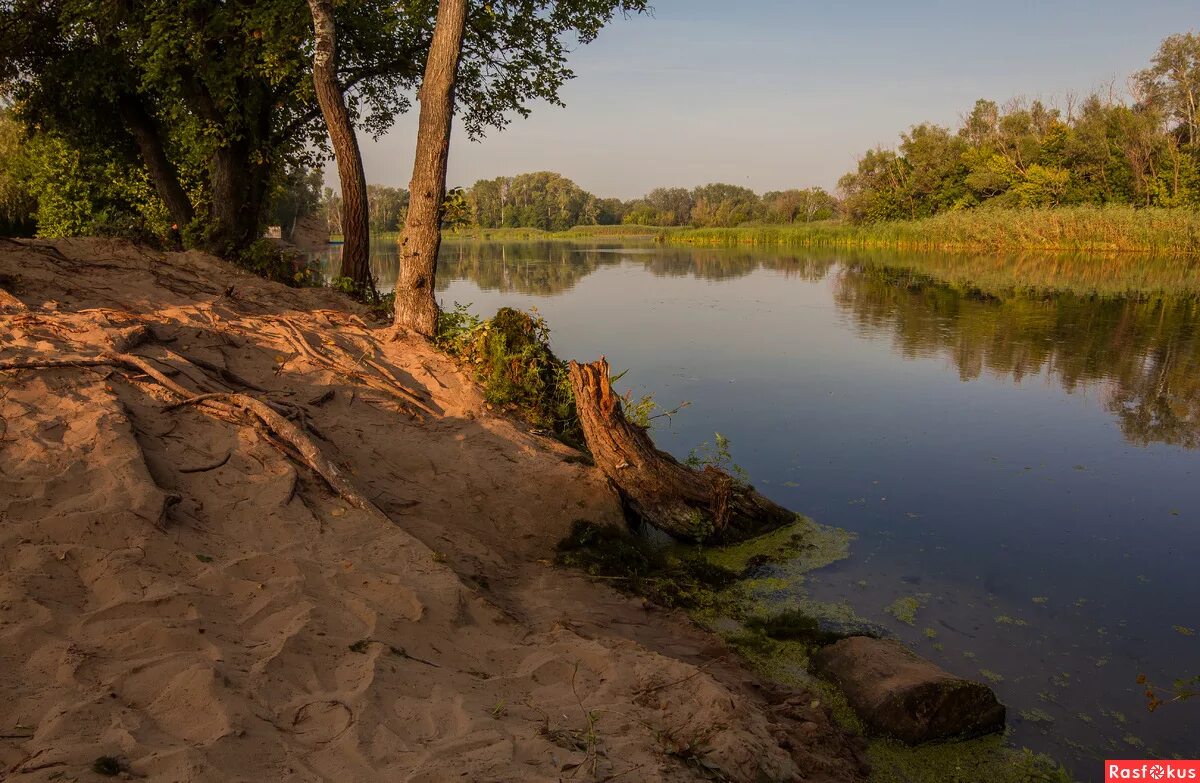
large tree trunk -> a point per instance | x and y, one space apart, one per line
148 137
416 305
238 199
694 505
356 226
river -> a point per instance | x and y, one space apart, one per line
1017 462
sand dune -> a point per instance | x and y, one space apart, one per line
180 592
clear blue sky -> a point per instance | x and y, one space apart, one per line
772 94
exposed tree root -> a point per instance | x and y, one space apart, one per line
229 405
343 364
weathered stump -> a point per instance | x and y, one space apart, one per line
693 505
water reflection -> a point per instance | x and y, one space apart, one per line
1134 333
1144 352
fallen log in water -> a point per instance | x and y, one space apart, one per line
694 505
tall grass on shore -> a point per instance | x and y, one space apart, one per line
577 232
1073 229
1116 229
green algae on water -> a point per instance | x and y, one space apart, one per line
905 608
798 548
973 761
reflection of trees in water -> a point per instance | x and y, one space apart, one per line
1144 353
553 267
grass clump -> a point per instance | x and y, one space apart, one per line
669 577
512 359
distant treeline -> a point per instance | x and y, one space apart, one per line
552 202
549 201
1097 151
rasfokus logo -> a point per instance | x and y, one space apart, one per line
1145 769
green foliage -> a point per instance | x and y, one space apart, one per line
266 259
296 193
541 199
988 759
794 625
799 206
716 455
224 89
513 361
550 202
17 203
85 192
1100 152
455 212
720 204
386 206
668 577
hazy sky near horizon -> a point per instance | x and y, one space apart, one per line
772 94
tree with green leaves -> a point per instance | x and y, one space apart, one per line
212 99
387 207
725 205
1102 151
17 203
1172 83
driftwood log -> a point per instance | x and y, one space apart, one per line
693 505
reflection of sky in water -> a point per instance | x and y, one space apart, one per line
844 397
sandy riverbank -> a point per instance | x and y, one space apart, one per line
180 592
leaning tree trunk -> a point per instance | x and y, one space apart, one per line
416 305
695 505
148 137
356 226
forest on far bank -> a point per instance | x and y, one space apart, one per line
1142 150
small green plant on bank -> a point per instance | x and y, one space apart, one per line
716 455
512 359
643 410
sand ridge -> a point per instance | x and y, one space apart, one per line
179 591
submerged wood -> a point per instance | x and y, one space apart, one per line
694 505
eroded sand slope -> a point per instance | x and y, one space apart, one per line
178 590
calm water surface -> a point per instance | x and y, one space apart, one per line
1023 465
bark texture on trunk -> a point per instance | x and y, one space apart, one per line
416 305
356 227
239 191
693 505
148 137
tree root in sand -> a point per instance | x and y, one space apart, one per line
227 405
705 505
343 365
